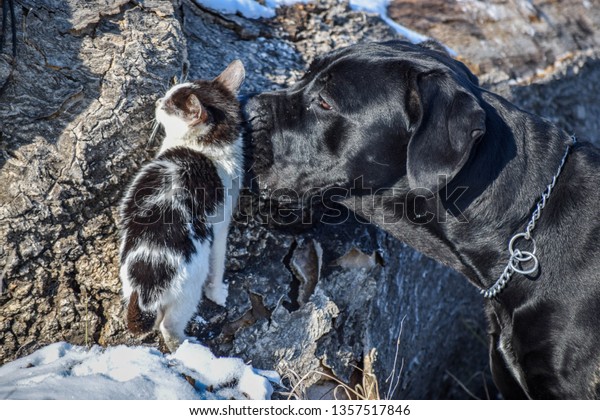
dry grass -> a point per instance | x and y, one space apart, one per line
467 390
368 387
393 380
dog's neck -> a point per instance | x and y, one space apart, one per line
468 224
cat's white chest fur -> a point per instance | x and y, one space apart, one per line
229 161
229 169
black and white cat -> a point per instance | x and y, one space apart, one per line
175 215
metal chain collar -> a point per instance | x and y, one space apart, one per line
518 257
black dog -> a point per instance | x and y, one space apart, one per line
456 172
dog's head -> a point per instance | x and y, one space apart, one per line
387 112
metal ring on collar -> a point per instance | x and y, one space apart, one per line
525 237
527 257
522 256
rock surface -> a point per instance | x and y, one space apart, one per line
568 96
506 38
75 121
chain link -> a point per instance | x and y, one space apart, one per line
517 256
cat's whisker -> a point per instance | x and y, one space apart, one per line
183 77
316 115
155 129
168 84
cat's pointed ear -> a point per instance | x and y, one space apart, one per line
233 76
195 109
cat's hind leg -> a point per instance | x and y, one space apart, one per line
138 320
173 326
181 300
216 289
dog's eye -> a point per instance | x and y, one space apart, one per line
324 104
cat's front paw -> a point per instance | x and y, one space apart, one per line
217 292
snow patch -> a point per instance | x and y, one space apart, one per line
211 371
248 8
254 10
63 371
380 7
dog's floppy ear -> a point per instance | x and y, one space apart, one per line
449 122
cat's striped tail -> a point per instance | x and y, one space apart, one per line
138 320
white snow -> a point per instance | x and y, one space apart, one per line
248 8
64 371
380 7
253 10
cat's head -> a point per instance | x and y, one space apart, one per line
203 111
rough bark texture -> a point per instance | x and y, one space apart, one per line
506 38
75 120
